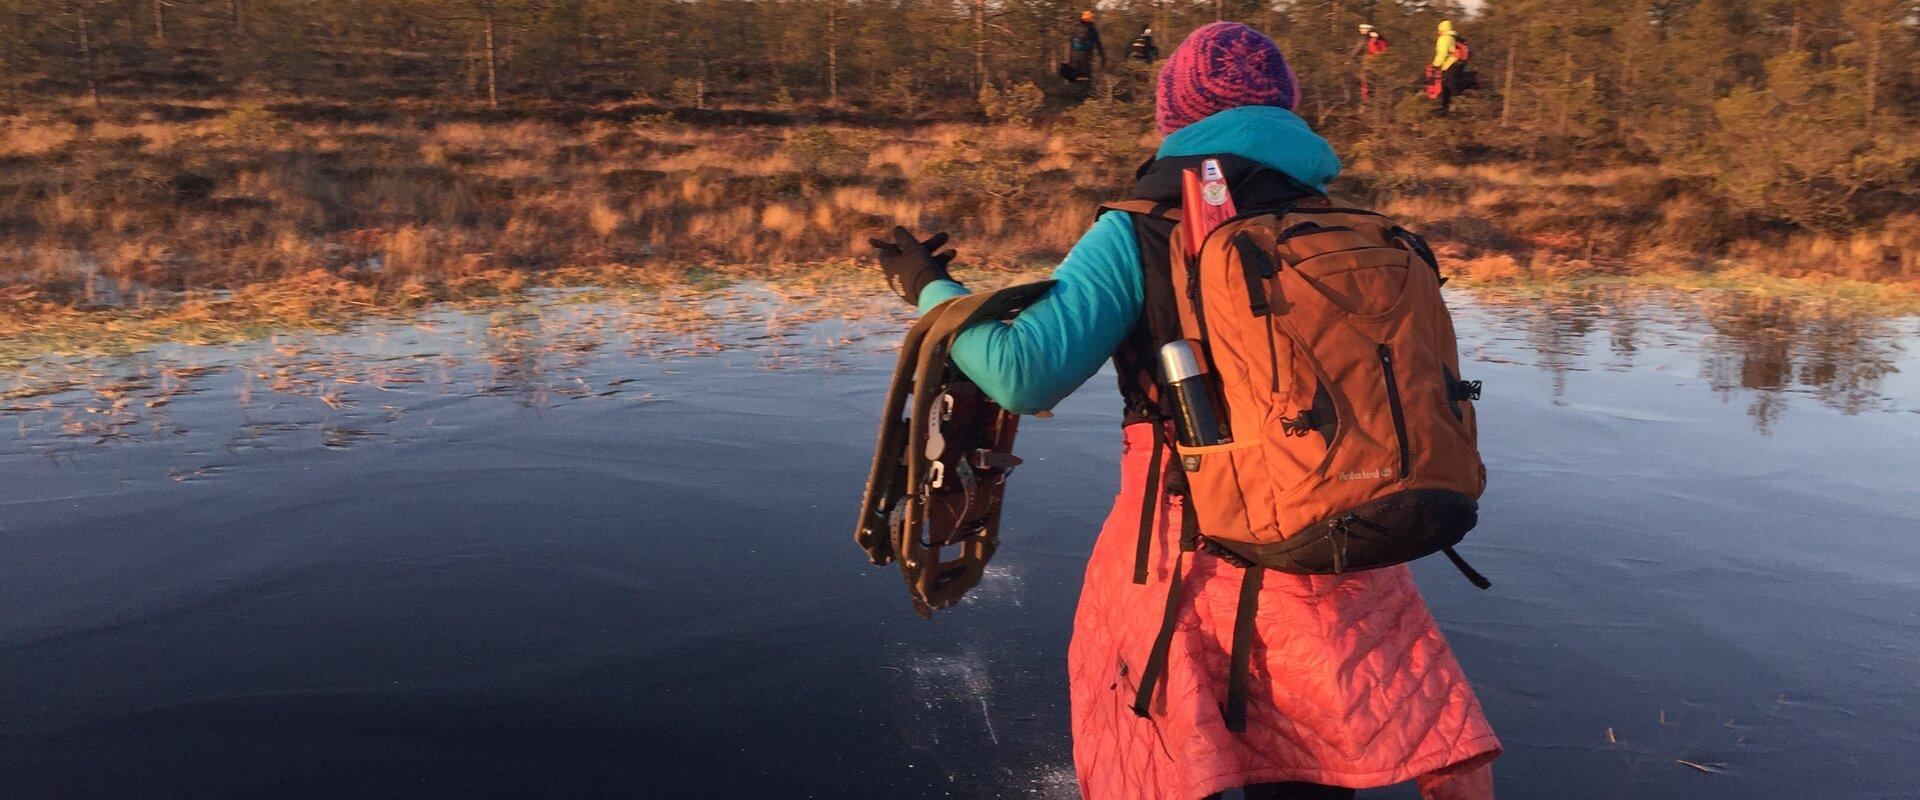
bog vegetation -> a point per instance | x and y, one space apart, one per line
381 151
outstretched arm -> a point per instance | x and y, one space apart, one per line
1041 356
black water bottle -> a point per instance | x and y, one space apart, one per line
1202 421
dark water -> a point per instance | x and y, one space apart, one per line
568 550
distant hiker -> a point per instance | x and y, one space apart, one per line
1447 74
1082 46
1143 47
1371 42
1341 680
1371 46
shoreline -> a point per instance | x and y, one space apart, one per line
33 331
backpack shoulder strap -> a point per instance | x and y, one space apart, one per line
1154 227
1145 208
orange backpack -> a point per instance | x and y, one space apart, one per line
1352 439
1352 436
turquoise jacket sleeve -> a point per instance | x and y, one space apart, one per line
1042 355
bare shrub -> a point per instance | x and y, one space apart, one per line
984 167
818 152
1016 104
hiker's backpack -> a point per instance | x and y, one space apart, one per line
1350 439
1353 442
1083 38
1143 48
1460 51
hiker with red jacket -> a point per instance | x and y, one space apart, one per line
1370 47
1334 682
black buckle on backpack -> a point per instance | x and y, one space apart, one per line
1464 390
1299 424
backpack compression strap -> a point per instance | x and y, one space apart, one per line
1234 711
1145 208
1240 663
1161 316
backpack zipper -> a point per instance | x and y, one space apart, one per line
1399 416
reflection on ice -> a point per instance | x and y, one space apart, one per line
554 350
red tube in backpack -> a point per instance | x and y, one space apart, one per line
1202 420
1205 202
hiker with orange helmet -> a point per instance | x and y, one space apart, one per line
1343 680
1082 46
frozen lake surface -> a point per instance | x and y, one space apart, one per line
578 549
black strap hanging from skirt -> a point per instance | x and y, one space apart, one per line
1240 671
1156 667
1150 502
1233 712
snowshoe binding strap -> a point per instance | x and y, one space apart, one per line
940 468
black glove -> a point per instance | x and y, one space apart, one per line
911 264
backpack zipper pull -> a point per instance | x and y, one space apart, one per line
1340 527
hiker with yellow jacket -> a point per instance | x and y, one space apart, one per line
1448 69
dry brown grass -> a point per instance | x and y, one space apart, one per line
1510 222
142 211
152 207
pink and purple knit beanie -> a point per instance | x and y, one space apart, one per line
1222 65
